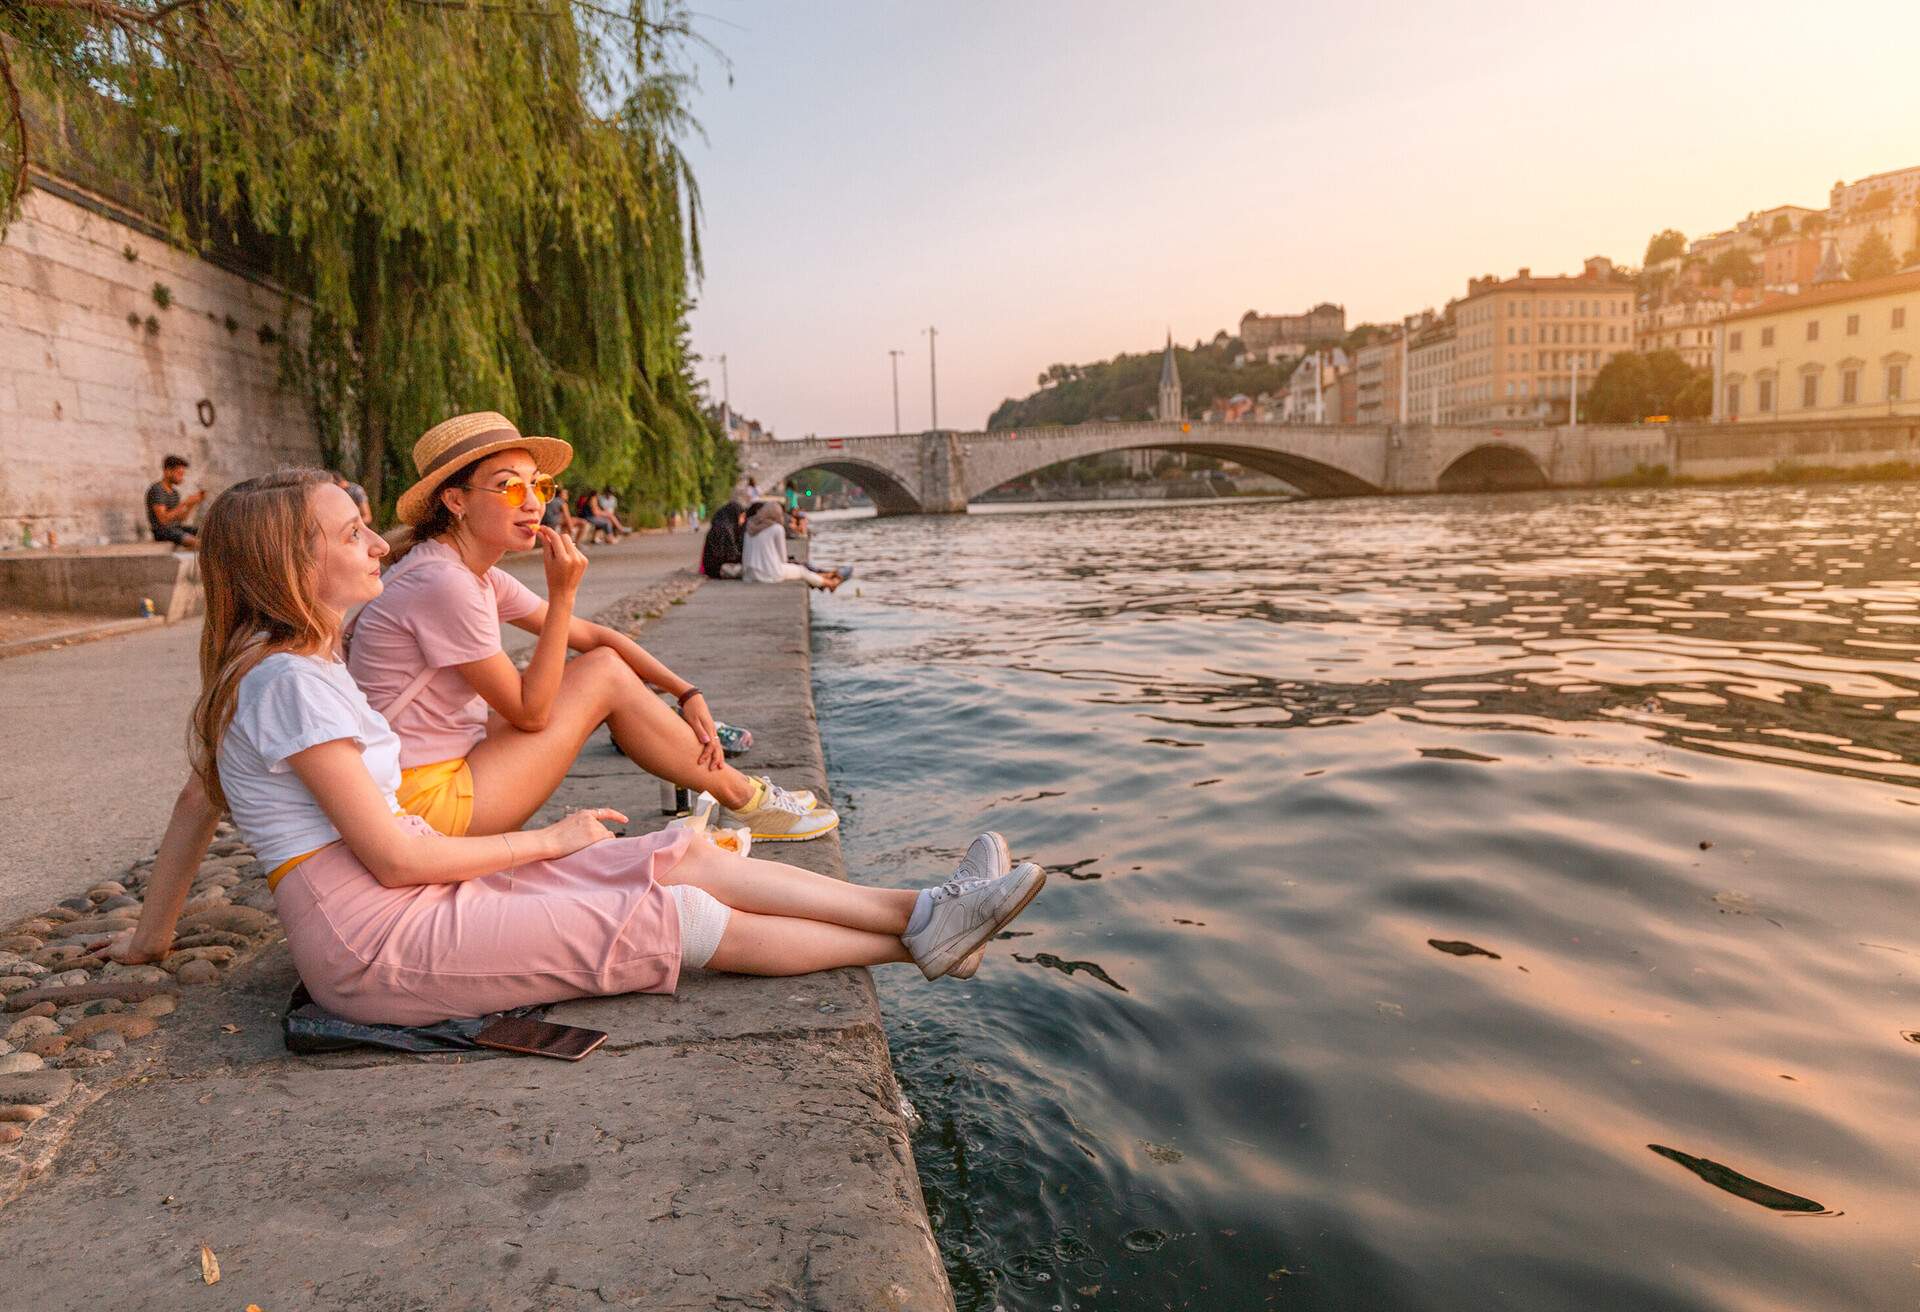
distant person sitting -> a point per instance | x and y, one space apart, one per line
726 535
599 527
608 506
764 558
168 511
557 517
358 493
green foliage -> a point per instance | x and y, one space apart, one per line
162 295
1782 226
1128 386
1736 264
1872 258
1665 245
1632 387
486 207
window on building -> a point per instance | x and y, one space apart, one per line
1733 400
1813 330
1766 340
1734 340
1509 334
1849 386
1853 325
1764 400
1899 316
1896 381
1809 390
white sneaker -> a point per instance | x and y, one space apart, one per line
968 910
784 817
987 856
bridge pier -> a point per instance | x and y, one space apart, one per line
943 474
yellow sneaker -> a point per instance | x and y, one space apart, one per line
778 816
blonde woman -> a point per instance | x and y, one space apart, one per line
392 922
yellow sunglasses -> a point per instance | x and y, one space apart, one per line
516 491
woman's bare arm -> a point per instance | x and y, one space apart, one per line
182 849
399 856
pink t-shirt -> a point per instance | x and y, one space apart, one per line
436 613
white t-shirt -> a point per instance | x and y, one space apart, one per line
286 704
764 558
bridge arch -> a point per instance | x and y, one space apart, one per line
890 495
1493 467
1313 478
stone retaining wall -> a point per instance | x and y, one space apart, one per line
99 380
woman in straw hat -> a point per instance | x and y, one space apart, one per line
428 654
391 922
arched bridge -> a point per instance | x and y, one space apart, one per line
943 471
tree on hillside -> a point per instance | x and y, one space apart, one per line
1734 264
1665 245
1782 226
482 205
1127 386
1872 258
1813 223
1631 387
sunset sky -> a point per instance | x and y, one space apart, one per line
1065 181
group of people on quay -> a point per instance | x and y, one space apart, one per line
383 768
748 539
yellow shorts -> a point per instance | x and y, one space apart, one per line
441 794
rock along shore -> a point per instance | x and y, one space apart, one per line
741 1144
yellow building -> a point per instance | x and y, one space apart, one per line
1522 341
1843 350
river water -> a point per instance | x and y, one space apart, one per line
1457 902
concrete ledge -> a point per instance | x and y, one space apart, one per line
737 1145
105 580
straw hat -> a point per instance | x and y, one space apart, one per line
455 443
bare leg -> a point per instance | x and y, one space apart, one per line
774 889
515 772
781 945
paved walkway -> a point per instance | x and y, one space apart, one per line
93 738
737 1145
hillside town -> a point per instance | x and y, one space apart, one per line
1790 312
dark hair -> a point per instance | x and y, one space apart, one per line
440 520
337 476
174 462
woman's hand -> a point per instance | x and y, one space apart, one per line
125 949
694 711
581 829
566 563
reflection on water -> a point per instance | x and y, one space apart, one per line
1425 863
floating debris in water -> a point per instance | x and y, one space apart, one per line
1459 947
1204 782
1742 1186
1075 869
1145 1240
1456 754
1165 1154
1171 742
1052 962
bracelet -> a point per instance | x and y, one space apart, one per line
688 695
509 842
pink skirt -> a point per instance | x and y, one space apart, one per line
590 924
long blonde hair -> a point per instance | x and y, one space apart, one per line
258 555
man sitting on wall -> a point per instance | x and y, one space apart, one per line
168 511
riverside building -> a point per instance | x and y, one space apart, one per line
1842 350
1521 342
1430 368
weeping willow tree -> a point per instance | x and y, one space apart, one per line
482 204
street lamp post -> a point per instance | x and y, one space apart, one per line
933 377
896 390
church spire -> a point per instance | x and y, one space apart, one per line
1170 408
